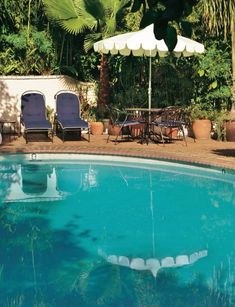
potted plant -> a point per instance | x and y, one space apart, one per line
96 125
230 127
200 121
211 88
97 128
219 124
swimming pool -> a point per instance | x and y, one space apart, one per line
108 231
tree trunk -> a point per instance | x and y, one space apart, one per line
103 97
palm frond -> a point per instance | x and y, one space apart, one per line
114 5
90 39
218 15
73 26
70 15
111 9
75 16
110 26
60 10
95 8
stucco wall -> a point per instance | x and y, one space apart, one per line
12 87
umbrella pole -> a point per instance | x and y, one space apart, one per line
150 81
150 91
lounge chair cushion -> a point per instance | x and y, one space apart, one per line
72 123
67 106
33 107
34 112
37 124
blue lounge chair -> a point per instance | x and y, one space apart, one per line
67 117
33 114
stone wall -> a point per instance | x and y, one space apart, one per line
12 87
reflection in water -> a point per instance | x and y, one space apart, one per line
55 216
38 182
73 179
154 264
35 183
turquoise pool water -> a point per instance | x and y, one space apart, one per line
89 232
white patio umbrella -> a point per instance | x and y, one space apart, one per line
144 43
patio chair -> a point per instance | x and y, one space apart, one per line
125 125
169 125
33 114
67 116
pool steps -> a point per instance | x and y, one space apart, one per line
154 264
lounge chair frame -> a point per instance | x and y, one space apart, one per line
79 124
31 120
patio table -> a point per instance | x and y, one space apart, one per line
147 117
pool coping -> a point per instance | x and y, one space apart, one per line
156 157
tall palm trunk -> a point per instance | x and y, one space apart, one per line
103 96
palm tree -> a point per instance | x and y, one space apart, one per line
97 19
219 16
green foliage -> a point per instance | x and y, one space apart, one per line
50 114
11 17
214 54
171 81
88 66
33 55
79 16
212 81
17 41
219 120
218 16
132 21
199 111
8 63
128 81
95 20
25 48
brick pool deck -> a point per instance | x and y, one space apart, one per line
203 152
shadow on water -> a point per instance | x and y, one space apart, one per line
33 258
40 267
106 285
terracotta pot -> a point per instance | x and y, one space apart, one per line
202 129
113 130
171 132
97 128
230 131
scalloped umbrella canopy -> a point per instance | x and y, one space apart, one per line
144 43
